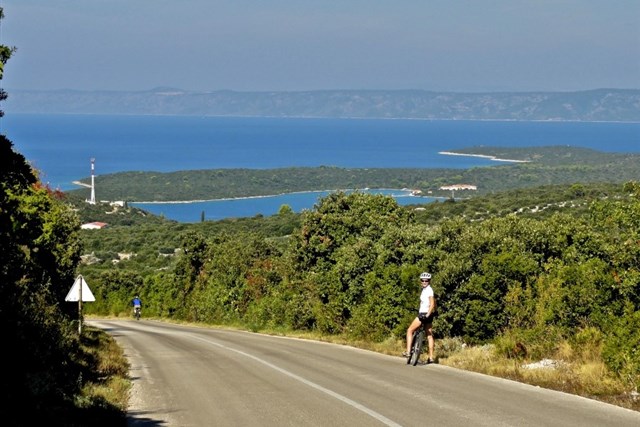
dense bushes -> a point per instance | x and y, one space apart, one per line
40 250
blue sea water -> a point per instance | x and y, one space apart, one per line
251 206
61 146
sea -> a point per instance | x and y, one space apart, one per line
62 147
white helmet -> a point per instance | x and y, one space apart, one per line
425 276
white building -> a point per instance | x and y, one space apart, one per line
93 225
459 187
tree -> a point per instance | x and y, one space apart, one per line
337 245
285 210
40 251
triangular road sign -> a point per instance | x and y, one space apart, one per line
74 293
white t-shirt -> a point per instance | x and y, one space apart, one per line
424 299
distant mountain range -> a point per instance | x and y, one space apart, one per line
591 105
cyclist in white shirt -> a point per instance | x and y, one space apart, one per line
425 315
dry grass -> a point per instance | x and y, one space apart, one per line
114 374
581 373
108 388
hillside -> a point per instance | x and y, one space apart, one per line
593 105
544 166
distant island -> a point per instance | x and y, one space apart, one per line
592 105
528 168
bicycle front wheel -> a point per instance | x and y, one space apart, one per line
416 348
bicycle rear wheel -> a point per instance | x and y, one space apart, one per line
416 348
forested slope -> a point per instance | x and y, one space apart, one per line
544 166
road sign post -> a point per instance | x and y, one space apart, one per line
80 292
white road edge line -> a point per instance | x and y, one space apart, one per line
331 393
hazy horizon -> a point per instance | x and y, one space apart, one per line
168 88
302 45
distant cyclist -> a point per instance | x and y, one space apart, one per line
137 305
425 315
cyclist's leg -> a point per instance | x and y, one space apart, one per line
412 327
428 328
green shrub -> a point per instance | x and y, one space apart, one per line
587 342
532 343
448 346
621 351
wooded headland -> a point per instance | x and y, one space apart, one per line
540 166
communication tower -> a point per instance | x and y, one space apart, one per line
93 183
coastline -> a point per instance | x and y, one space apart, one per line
81 184
250 206
404 193
483 156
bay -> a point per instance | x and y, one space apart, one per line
263 205
62 146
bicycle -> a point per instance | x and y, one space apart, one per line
417 342
136 313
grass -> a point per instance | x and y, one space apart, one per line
112 383
576 372
104 395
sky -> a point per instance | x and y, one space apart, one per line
300 45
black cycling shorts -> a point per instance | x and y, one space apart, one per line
426 320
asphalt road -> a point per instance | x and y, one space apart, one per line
191 376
